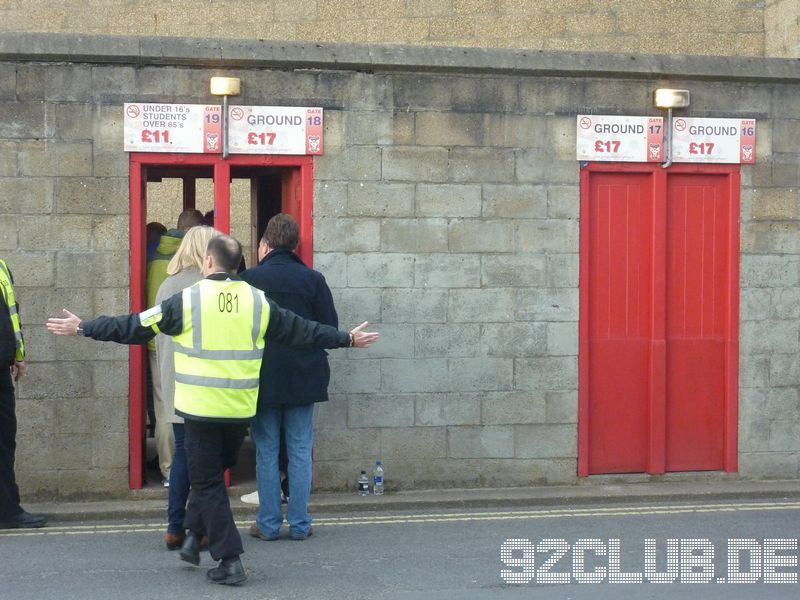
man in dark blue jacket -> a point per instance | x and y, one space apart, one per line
292 381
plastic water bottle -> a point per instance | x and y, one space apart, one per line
377 487
363 484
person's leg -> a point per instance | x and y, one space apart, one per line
178 483
9 492
165 442
298 422
266 431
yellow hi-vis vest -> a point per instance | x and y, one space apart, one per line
7 289
218 353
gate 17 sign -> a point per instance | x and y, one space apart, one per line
621 139
714 140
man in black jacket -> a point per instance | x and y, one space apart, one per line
292 381
218 354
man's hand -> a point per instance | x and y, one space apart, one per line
66 326
18 370
361 338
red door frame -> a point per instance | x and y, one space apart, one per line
301 175
656 459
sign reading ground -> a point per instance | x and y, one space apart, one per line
620 139
197 129
714 140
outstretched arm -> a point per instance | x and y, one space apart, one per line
290 329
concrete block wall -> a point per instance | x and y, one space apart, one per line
782 28
445 213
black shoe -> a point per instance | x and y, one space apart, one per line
24 520
190 551
229 572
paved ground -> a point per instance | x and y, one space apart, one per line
408 555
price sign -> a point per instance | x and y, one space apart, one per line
190 128
275 130
621 139
714 140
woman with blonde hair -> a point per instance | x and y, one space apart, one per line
183 271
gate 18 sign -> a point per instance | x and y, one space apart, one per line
197 128
620 139
714 140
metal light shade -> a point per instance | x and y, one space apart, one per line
226 86
668 98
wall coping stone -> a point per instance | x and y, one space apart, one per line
265 54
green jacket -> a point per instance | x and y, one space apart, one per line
157 267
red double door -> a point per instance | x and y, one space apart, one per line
659 318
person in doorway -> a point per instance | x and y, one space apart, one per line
182 271
156 274
12 369
154 232
292 381
219 326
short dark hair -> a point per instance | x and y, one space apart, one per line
189 218
282 232
226 252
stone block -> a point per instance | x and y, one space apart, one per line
92 195
110 451
784 435
770 237
74 380
471 165
111 301
344 444
331 414
776 204
546 374
354 376
552 236
563 270
560 136
75 483
552 95
63 83
561 407
368 127
34 415
414 163
562 339
481 374
9 234
547 304
49 158
448 200
66 232
69 348
358 163
27 120
753 369
74 121
380 199
414 306
447 270
333 265
40 344
754 304
515 340
537 165
109 232
784 369
482 305
356 305
514 201
8 159
446 340
447 409
330 199
512 408
26 195
380 270
414 375
563 202
449 129
771 336
454 93
397 341
403 128
37 303
480 442
413 442
515 131
109 164
529 270
30 269
347 235
789 130
8 81
113 83
546 441
380 411
785 303
414 235
768 465
478 235
98 269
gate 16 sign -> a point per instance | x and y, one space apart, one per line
714 140
620 139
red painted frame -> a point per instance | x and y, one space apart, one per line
302 177
656 454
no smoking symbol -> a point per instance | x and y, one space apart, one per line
586 122
133 111
237 113
680 125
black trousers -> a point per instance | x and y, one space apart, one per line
9 492
210 449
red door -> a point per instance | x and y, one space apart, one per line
659 319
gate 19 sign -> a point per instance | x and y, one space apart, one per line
714 140
620 139
197 129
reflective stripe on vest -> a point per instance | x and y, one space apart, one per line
218 353
7 289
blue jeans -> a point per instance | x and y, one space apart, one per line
298 426
178 483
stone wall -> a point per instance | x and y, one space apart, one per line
782 28
703 27
445 212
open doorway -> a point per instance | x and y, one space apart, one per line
243 192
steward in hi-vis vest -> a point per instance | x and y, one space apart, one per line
219 326
10 300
